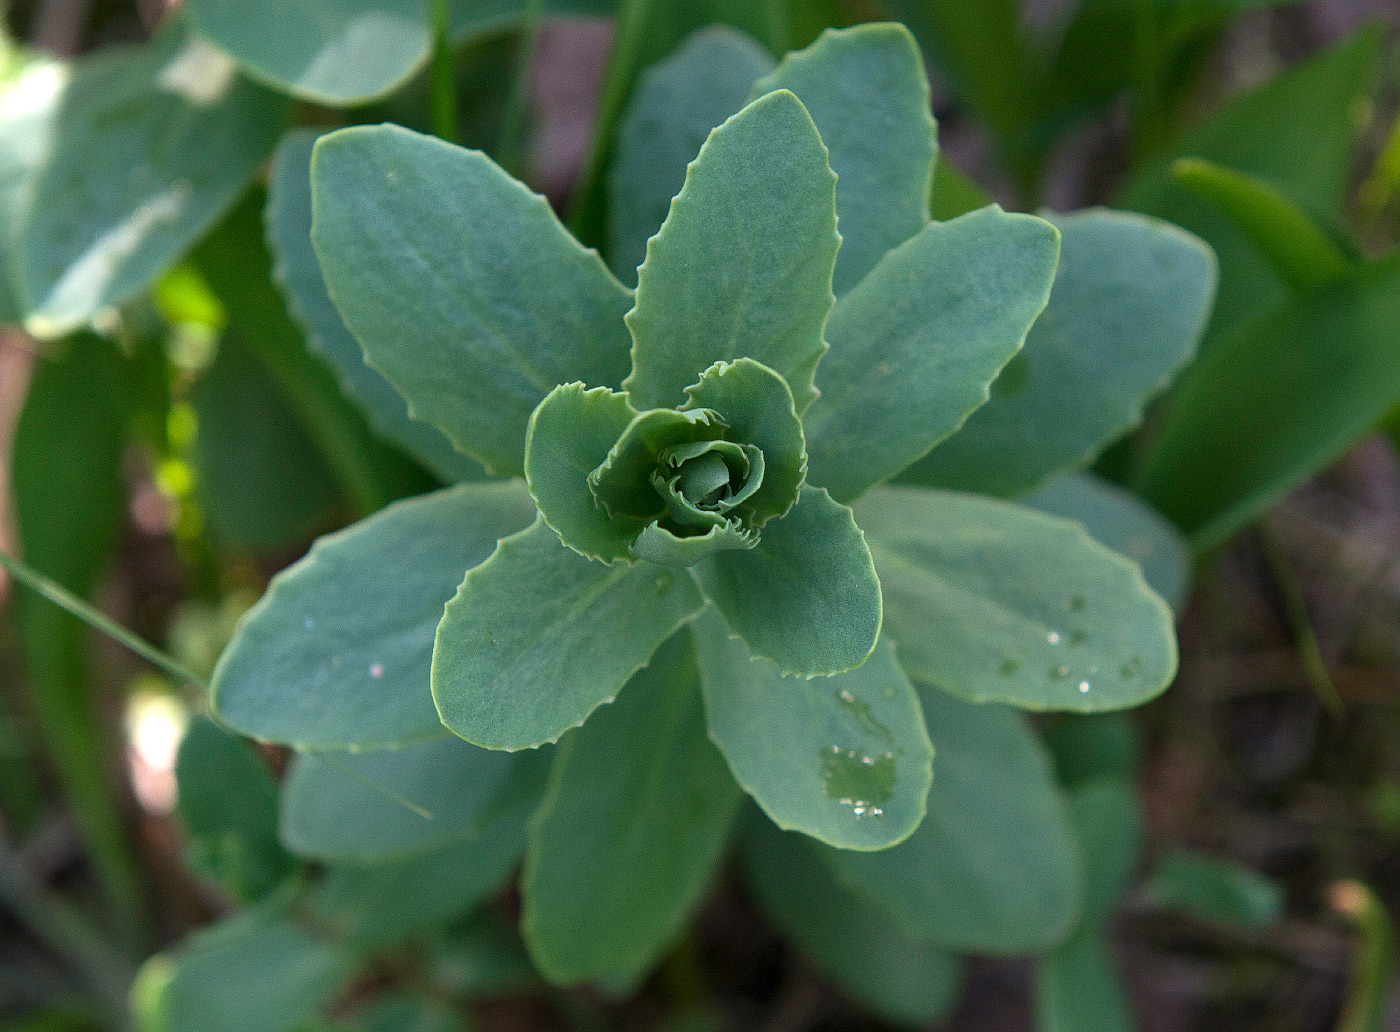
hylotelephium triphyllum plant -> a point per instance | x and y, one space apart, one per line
702 534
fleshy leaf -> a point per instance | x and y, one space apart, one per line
807 596
1130 301
1119 520
916 344
338 652
757 407
658 545
631 829
539 637
997 603
148 145
461 285
676 104
867 91
742 266
844 759
298 274
622 482
993 868
393 804
904 981
570 436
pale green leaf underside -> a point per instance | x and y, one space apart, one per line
538 637
993 868
901 979
1119 520
337 653
351 808
631 829
843 759
868 93
916 343
807 596
298 273
461 285
1130 301
148 145
742 266
676 104
997 603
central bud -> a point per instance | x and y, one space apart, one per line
703 481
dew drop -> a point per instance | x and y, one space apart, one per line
1128 672
1053 637
663 581
376 670
1078 637
309 624
1059 673
1083 686
1077 603
857 780
1010 667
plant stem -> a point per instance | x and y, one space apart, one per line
442 81
1371 984
586 209
510 144
66 600
1295 609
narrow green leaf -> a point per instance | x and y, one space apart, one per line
335 52
756 406
1215 890
255 972
843 759
539 637
742 266
571 435
868 93
1130 300
901 979
338 653
997 603
629 834
1288 238
1296 132
916 344
1077 987
149 144
298 274
807 596
1122 522
227 802
350 808
677 102
460 284
1267 409
1108 827
992 869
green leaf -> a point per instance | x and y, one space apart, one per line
1295 132
843 759
954 193
756 406
631 830
460 284
539 637
30 91
1130 301
1122 522
338 653
373 907
677 102
334 52
807 596
1297 248
916 344
1107 825
742 266
1077 987
902 980
1087 747
658 545
1264 411
228 805
298 274
1214 890
260 480
992 869
395 804
571 434
868 93
404 1012
254 972
149 144
997 603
